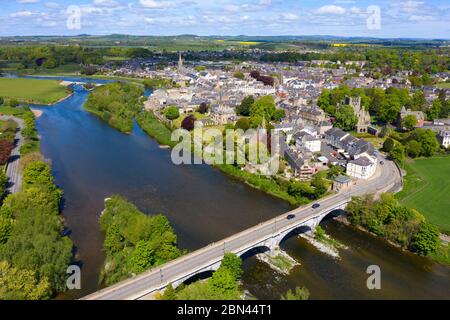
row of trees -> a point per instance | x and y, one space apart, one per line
33 254
134 242
385 105
388 219
417 143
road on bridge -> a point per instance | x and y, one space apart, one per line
387 178
12 168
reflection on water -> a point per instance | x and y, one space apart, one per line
91 161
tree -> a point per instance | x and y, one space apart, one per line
435 110
13 103
334 172
2 101
242 123
142 257
414 149
409 122
263 107
398 153
223 280
244 108
427 139
5 151
239 75
300 293
169 293
16 284
418 101
346 118
172 113
278 115
233 263
188 123
390 109
255 74
388 145
203 108
426 240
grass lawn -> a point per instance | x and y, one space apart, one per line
427 189
444 85
32 90
197 115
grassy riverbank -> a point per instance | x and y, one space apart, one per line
154 128
32 91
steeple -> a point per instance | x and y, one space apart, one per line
180 62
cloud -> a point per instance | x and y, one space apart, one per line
27 1
331 9
152 4
288 16
21 14
420 18
106 3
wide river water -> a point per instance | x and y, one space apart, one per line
92 161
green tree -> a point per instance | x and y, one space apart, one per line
239 75
142 257
426 240
300 293
414 149
427 139
2 101
172 113
18 284
244 108
346 118
13 103
278 115
242 123
418 101
233 263
409 122
390 109
263 107
435 110
388 145
398 153
169 293
223 280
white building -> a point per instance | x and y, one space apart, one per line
308 142
361 168
444 138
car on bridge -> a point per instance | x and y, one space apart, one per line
291 216
315 205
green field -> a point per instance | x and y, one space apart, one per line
427 189
444 85
32 90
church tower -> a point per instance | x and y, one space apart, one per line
180 62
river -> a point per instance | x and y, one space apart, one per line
92 161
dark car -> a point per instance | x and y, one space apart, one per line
315 206
382 162
291 216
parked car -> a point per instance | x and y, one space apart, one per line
315 205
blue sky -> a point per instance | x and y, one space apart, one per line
411 18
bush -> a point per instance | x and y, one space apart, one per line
188 123
172 113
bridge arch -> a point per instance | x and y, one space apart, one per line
253 251
295 232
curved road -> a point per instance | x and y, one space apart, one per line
12 169
387 178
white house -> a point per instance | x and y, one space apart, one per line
361 168
307 141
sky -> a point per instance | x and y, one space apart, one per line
374 18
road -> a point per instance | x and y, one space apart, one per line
387 178
12 170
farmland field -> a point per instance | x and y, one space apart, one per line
427 189
32 90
